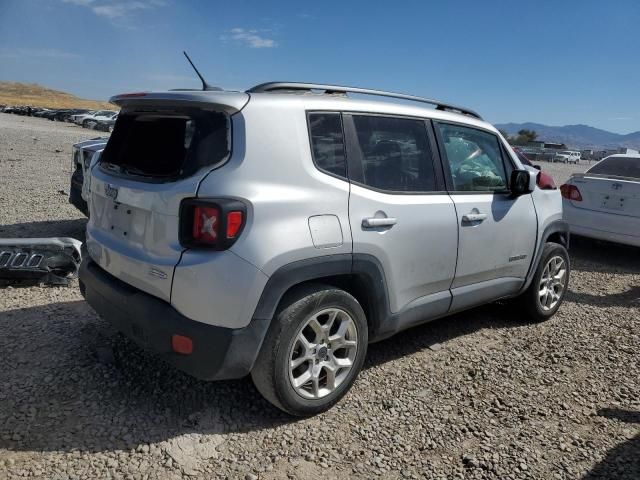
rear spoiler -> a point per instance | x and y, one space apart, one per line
229 102
604 177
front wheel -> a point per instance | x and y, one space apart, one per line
313 351
543 297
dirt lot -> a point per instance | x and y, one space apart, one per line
483 394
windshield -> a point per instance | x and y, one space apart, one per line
618 167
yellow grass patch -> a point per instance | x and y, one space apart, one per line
15 93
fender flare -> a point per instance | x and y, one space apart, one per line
557 226
365 268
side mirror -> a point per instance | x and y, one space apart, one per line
521 182
537 167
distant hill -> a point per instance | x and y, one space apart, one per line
15 93
576 136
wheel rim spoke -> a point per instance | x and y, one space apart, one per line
552 283
322 353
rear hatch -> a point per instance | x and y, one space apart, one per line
162 146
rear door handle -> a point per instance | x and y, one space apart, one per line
379 222
474 217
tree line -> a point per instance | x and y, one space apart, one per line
523 137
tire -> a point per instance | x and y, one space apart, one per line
272 374
85 123
531 301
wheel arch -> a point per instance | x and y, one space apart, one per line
360 275
557 232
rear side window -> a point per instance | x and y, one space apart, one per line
474 158
167 145
618 167
327 143
395 154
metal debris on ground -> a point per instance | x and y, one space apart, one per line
52 261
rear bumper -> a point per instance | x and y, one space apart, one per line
218 352
602 226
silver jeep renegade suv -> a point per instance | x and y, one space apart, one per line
278 231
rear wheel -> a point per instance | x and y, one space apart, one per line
545 294
313 351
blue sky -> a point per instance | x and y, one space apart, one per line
554 62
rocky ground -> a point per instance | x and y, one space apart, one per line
479 395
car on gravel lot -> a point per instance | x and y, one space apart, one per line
567 156
277 232
87 119
83 157
604 202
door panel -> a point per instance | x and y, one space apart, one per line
496 231
418 251
499 244
400 213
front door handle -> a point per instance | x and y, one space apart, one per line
474 217
374 222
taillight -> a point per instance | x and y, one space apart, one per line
570 192
234 223
206 224
214 224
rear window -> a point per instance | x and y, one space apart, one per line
167 146
617 167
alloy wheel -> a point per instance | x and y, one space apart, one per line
552 283
323 352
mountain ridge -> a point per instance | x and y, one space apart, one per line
576 136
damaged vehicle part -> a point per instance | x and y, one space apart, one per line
54 260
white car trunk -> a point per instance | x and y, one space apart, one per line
615 196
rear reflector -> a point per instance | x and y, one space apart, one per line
181 344
234 222
570 192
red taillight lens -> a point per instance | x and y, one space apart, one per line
181 344
570 192
234 222
206 224
211 223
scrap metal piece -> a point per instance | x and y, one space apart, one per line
53 261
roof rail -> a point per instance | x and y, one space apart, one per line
337 89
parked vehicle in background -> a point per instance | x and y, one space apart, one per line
40 112
104 124
543 180
86 118
604 202
567 156
84 156
230 243
67 114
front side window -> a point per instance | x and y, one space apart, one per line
395 154
474 158
327 143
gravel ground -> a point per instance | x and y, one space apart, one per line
482 394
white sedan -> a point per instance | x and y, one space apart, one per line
604 202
